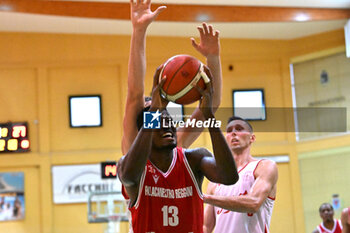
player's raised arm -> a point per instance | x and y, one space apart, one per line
132 165
221 167
209 46
141 18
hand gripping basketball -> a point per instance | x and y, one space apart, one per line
182 74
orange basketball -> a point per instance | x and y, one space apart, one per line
182 73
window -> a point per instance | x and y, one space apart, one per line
249 104
85 111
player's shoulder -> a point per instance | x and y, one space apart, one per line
266 166
267 163
196 151
195 156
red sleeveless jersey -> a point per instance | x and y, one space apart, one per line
168 202
336 229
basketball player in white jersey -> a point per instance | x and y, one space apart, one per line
245 207
209 46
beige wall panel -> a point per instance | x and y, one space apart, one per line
328 64
343 64
322 174
345 85
82 80
328 90
305 71
306 93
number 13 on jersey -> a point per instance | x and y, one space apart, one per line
170 216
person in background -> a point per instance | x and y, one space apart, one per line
328 224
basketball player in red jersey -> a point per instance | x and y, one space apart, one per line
209 46
345 220
163 181
328 224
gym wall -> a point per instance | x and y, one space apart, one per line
39 71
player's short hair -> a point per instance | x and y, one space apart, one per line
324 204
236 118
148 98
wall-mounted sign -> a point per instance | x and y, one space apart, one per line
12 196
109 170
14 137
74 183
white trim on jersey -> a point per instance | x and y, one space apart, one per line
336 222
172 165
142 181
191 174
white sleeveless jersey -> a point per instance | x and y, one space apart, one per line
234 222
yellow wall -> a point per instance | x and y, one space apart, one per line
324 162
324 173
39 71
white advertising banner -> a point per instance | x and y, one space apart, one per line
74 183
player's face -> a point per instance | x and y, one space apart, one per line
238 136
165 137
326 212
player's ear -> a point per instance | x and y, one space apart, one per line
252 138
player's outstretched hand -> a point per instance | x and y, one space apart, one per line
205 103
141 14
209 41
